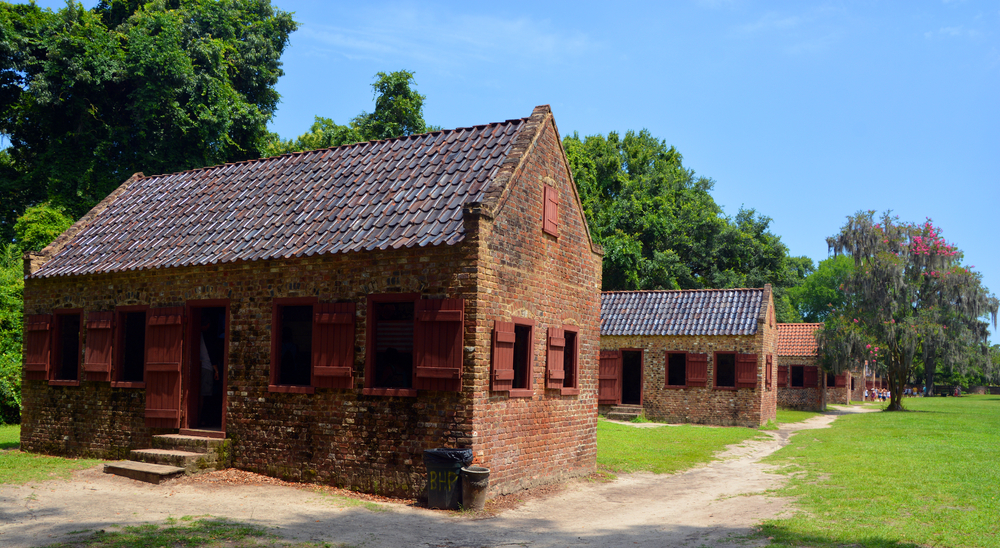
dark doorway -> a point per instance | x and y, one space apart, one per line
208 364
632 377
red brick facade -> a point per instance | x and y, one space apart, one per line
809 396
505 267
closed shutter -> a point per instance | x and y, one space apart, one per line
97 353
333 345
37 346
555 371
770 374
746 370
697 369
164 350
782 375
810 376
503 356
840 380
608 375
437 344
550 221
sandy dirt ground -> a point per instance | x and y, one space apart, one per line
705 506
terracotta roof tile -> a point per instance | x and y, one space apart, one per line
797 339
684 312
376 195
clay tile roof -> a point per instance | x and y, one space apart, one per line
396 193
797 339
684 312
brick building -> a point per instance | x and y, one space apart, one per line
333 313
701 356
802 382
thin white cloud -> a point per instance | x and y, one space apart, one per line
959 31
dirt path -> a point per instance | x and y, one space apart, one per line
703 506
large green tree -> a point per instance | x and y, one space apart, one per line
661 228
910 296
820 292
89 97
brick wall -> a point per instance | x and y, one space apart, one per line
802 398
839 395
504 267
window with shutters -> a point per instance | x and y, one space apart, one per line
391 323
831 380
512 357
130 347
746 370
571 360
66 350
292 345
769 367
676 370
783 376
97 351
725 370
550 216
37 346
798 376
438 344
697 370
561 359
333 345
810 376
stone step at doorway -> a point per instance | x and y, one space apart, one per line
173 454
625 412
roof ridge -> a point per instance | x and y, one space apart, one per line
344 146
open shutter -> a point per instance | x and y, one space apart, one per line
746 370
810 376
782 375
608 373
770 371
503 356
164 350
437 344
555 371
840 380
333 345
697 369
97 353
37 346
550 218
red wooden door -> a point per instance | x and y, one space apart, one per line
164 351
609 374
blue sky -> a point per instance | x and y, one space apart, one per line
804 111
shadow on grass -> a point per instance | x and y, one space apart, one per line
782 537
184 532
9 445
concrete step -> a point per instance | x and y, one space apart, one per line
219 434
190 461
625 412
142 471
196 444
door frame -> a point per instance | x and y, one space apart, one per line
193 331
642 373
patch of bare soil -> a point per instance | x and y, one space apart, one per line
707 505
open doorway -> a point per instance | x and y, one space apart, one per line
209 360
632 377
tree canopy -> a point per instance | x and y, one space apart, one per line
88 97
908 296
661 228
398 112
820 292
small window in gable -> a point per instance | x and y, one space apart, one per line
550 217
676 369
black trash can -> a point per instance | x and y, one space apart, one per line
444 481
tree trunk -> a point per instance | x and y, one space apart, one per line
930 367
896 375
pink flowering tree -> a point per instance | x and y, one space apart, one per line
910 296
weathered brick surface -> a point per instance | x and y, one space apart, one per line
802 398
839 395
706 405
504 267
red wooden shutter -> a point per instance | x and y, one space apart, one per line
37 346
810 376
437 344
840 380
555 371
164 351
550 218
503 356
97 354
608 373
697 369
333 345
770 375
746 370
782 375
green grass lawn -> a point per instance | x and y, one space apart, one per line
927 477
663 450
18 467
791 415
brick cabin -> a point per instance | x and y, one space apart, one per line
702 356
360 304
802 382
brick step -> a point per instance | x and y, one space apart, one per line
183 442
190 461
142 471
625 412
